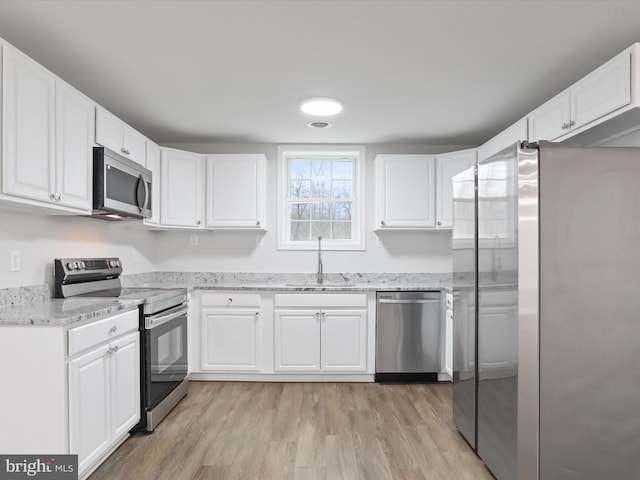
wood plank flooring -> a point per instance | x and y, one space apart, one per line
350 431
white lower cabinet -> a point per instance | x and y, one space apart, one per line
321 338
104 397
77 391
231 332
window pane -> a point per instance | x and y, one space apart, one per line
341 189
299 169
300 211
300 231
343 170
300 188
342 230
320 229
320 179
341 211
321 211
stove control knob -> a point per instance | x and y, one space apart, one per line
114 263
82 265
71 265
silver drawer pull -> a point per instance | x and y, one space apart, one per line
113 330
384 300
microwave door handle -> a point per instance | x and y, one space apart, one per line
147 197
138 201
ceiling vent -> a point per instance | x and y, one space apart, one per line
319 125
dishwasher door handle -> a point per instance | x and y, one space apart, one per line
390 300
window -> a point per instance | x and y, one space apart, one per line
321 191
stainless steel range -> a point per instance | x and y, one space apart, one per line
163 329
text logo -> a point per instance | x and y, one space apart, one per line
49 467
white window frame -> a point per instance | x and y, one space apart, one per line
357 241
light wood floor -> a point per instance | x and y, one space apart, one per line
351 431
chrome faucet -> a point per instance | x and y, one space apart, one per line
319 259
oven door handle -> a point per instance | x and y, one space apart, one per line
155 320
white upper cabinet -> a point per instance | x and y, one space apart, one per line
28 127
47 137
447 166
405 191
114 134
515 133
153 164
75 116
601 92
235 191
181 189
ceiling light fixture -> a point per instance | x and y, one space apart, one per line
321 106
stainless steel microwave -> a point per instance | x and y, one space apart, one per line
121 187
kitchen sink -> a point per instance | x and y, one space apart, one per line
321 285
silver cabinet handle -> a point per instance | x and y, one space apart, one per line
229 301
382 223
572 123
257 315
439 223
317 315
565 126
61 197
115 348
258 223
323 316
123 150
198 222
113 330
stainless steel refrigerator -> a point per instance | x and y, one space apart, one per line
546 257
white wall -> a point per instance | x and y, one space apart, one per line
40 239
229 252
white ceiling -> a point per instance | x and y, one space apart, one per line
420 72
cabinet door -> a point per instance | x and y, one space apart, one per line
109 131
602 91
125 384
89 406
447 166
297 340
235 191
135 145
551 120
182 183
406 191
75 116
153 164
28 128
344 340
230 339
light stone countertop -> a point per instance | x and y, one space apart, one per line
63 311
32 305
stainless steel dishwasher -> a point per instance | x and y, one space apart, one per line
408 336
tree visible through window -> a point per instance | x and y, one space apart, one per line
321 193
320 196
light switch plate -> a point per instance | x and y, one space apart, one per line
14 261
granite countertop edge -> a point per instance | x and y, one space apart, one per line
60 312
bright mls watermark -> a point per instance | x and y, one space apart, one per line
50 467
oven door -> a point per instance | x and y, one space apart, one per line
165 354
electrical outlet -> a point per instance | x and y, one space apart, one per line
193 240
14 261
260 240
379 241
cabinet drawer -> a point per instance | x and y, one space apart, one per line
86 336
231 300
334 300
